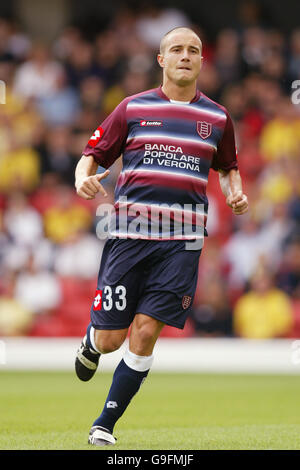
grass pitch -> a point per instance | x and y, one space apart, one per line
54 410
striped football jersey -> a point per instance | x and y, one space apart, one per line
167 150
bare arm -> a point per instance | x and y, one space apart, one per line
87 182
231 186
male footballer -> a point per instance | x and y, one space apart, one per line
169 138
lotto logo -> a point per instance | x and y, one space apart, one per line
150 123
96 137
98 300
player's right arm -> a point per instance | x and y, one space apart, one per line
103 148
87 182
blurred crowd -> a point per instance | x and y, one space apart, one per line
56 96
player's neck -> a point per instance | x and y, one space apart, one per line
177 93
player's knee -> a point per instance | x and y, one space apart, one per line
145 336
108 344
106 347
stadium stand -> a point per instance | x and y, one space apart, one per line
58 94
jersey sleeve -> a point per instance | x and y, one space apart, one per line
225 157
108 140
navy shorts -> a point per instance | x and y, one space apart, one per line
157 278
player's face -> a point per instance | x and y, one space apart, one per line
181 58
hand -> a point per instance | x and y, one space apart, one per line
238 203
88 187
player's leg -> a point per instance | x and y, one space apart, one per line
111 311
128 376
167 294
95 343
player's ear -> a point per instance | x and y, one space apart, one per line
201 63
160 60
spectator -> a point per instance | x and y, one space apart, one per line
242 252
294 57
3 246
275 183
37 77
275 230
108 57
19 169
263 312
227 58
37 290
155 21
76 257
23 224
66 43
254 47
281 136
15 318
132 83
61 105
55 154
91 93
288 277
209 80
212 315
15 44
63 221
80 63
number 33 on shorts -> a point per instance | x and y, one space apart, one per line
109 296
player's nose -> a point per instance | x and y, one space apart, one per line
185 55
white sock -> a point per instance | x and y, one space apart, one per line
92 339
139 363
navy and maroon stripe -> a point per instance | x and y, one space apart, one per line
153 134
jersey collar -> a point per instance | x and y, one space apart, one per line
162 95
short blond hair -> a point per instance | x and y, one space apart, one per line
178 28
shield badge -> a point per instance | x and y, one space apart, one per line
186 301
204 129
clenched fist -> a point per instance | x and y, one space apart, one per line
238 203
88 187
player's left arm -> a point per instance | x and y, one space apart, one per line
225 162
231 186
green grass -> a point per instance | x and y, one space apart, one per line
53 410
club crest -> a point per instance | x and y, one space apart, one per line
204 129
